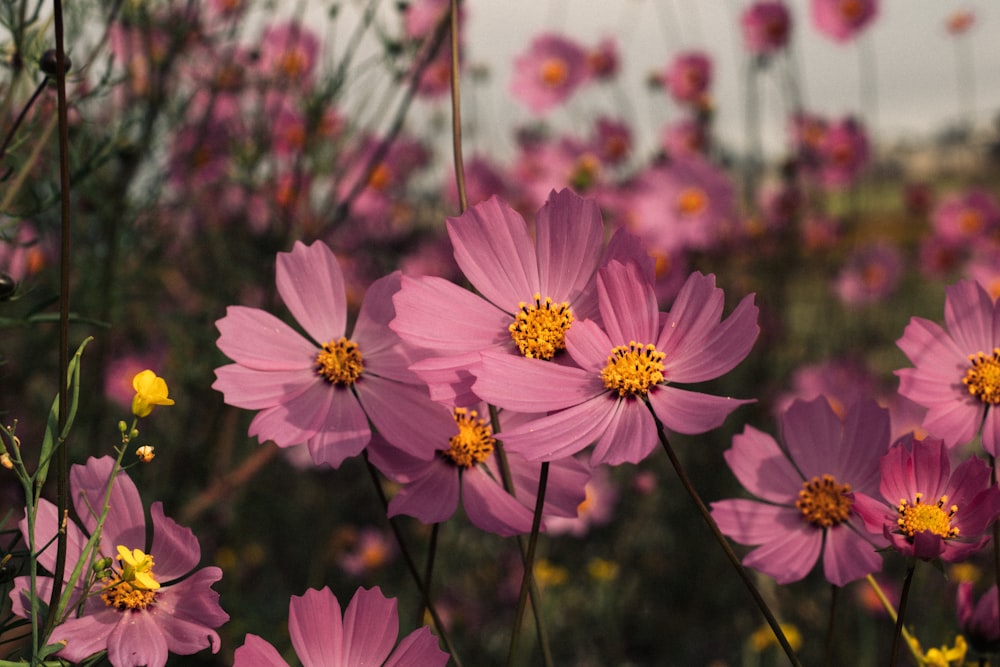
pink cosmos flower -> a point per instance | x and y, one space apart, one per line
843 153
364 635
870 275
550 71
532 292
685 138
959 21
956 371
688 78
979 619
613 140
457 447
23 254
766 26
926 509
371 550
966 216
842 382
288 54
843 20
625 372
806 508
322 389
596 509
165 608
603 60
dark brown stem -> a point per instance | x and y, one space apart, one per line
897 634
456 111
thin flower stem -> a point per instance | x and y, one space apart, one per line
903 595
62 460
724 543
428 571
891 610
21 116
456 111
529 567
828 649
411 565
996 530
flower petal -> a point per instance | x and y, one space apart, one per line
371 625
691 412
762 468
259 340
316 628
628 305
847 556
255 652
570 232
968 313
492 509
252 389
532 385
175 548
562 433
136 639
630 436
432 498
311 284
420 647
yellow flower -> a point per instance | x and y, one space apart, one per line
763 637
150 390
137 569
944 656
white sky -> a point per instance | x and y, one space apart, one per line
914 62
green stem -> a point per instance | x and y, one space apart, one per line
903 596
724 543
529 567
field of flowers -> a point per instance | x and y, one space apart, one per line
289 372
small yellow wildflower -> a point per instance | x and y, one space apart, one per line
145 453
601 569
150 390
763 637
137 569
944 656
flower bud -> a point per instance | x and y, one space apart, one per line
48 64
145 453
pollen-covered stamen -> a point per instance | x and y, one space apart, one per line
917 517
474 441
539 329
632 369
823 502
983 376
135 586
339 361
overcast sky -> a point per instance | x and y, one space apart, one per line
907 51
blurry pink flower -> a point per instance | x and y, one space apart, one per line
820 232
372 550
842 382
779 205
684 138
323 389
688 78
766 26
806 133
170 608
457 461
980 620
625 372
603 60
686 204
613 140
870 275
596 509
842 20
483 179
532 291
957 371
927 510
843 153
288 54
21 255
966 216
807 508
564 162
984 268
549 72
364 635
959 21
422 16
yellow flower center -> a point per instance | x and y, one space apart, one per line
339 361
474 441
983 376
135 586
632 369
554 72
918 517
691 201
539 330
823 502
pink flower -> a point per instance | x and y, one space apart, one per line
807 507
927 510
138 621
596 509
288 54
842 20
966 216
959 21
532 292
957 371
688 78
324 389
553 68
364 635
457 447
843 153
979 619
870 275
766 26
842 382
625 372
371 550
603 60
684 138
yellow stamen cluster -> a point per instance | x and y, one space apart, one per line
135 586
983 376
539 329
474 441
632 369
691 201
823 502
339 361
918 517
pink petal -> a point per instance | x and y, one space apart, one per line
312 286
968 312
812 431
398 465
955 422
697 308
588 345
492 509
790 556
699 349
449 379
436 314
532 385
562 433
420 647
566 487
259 340
87 635
752 522
137 640
628 305
874 513
252 389
691 412
928 345
495 252
570 232
630 436
371 625
432 498
991 432
126 520
300 419
47 522
762 468
316 628
866 438
343 433
255 652
188 610
405 416
175 549
847 556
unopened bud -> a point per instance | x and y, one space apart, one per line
122 427
6 462
145 453
101 565
48 63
